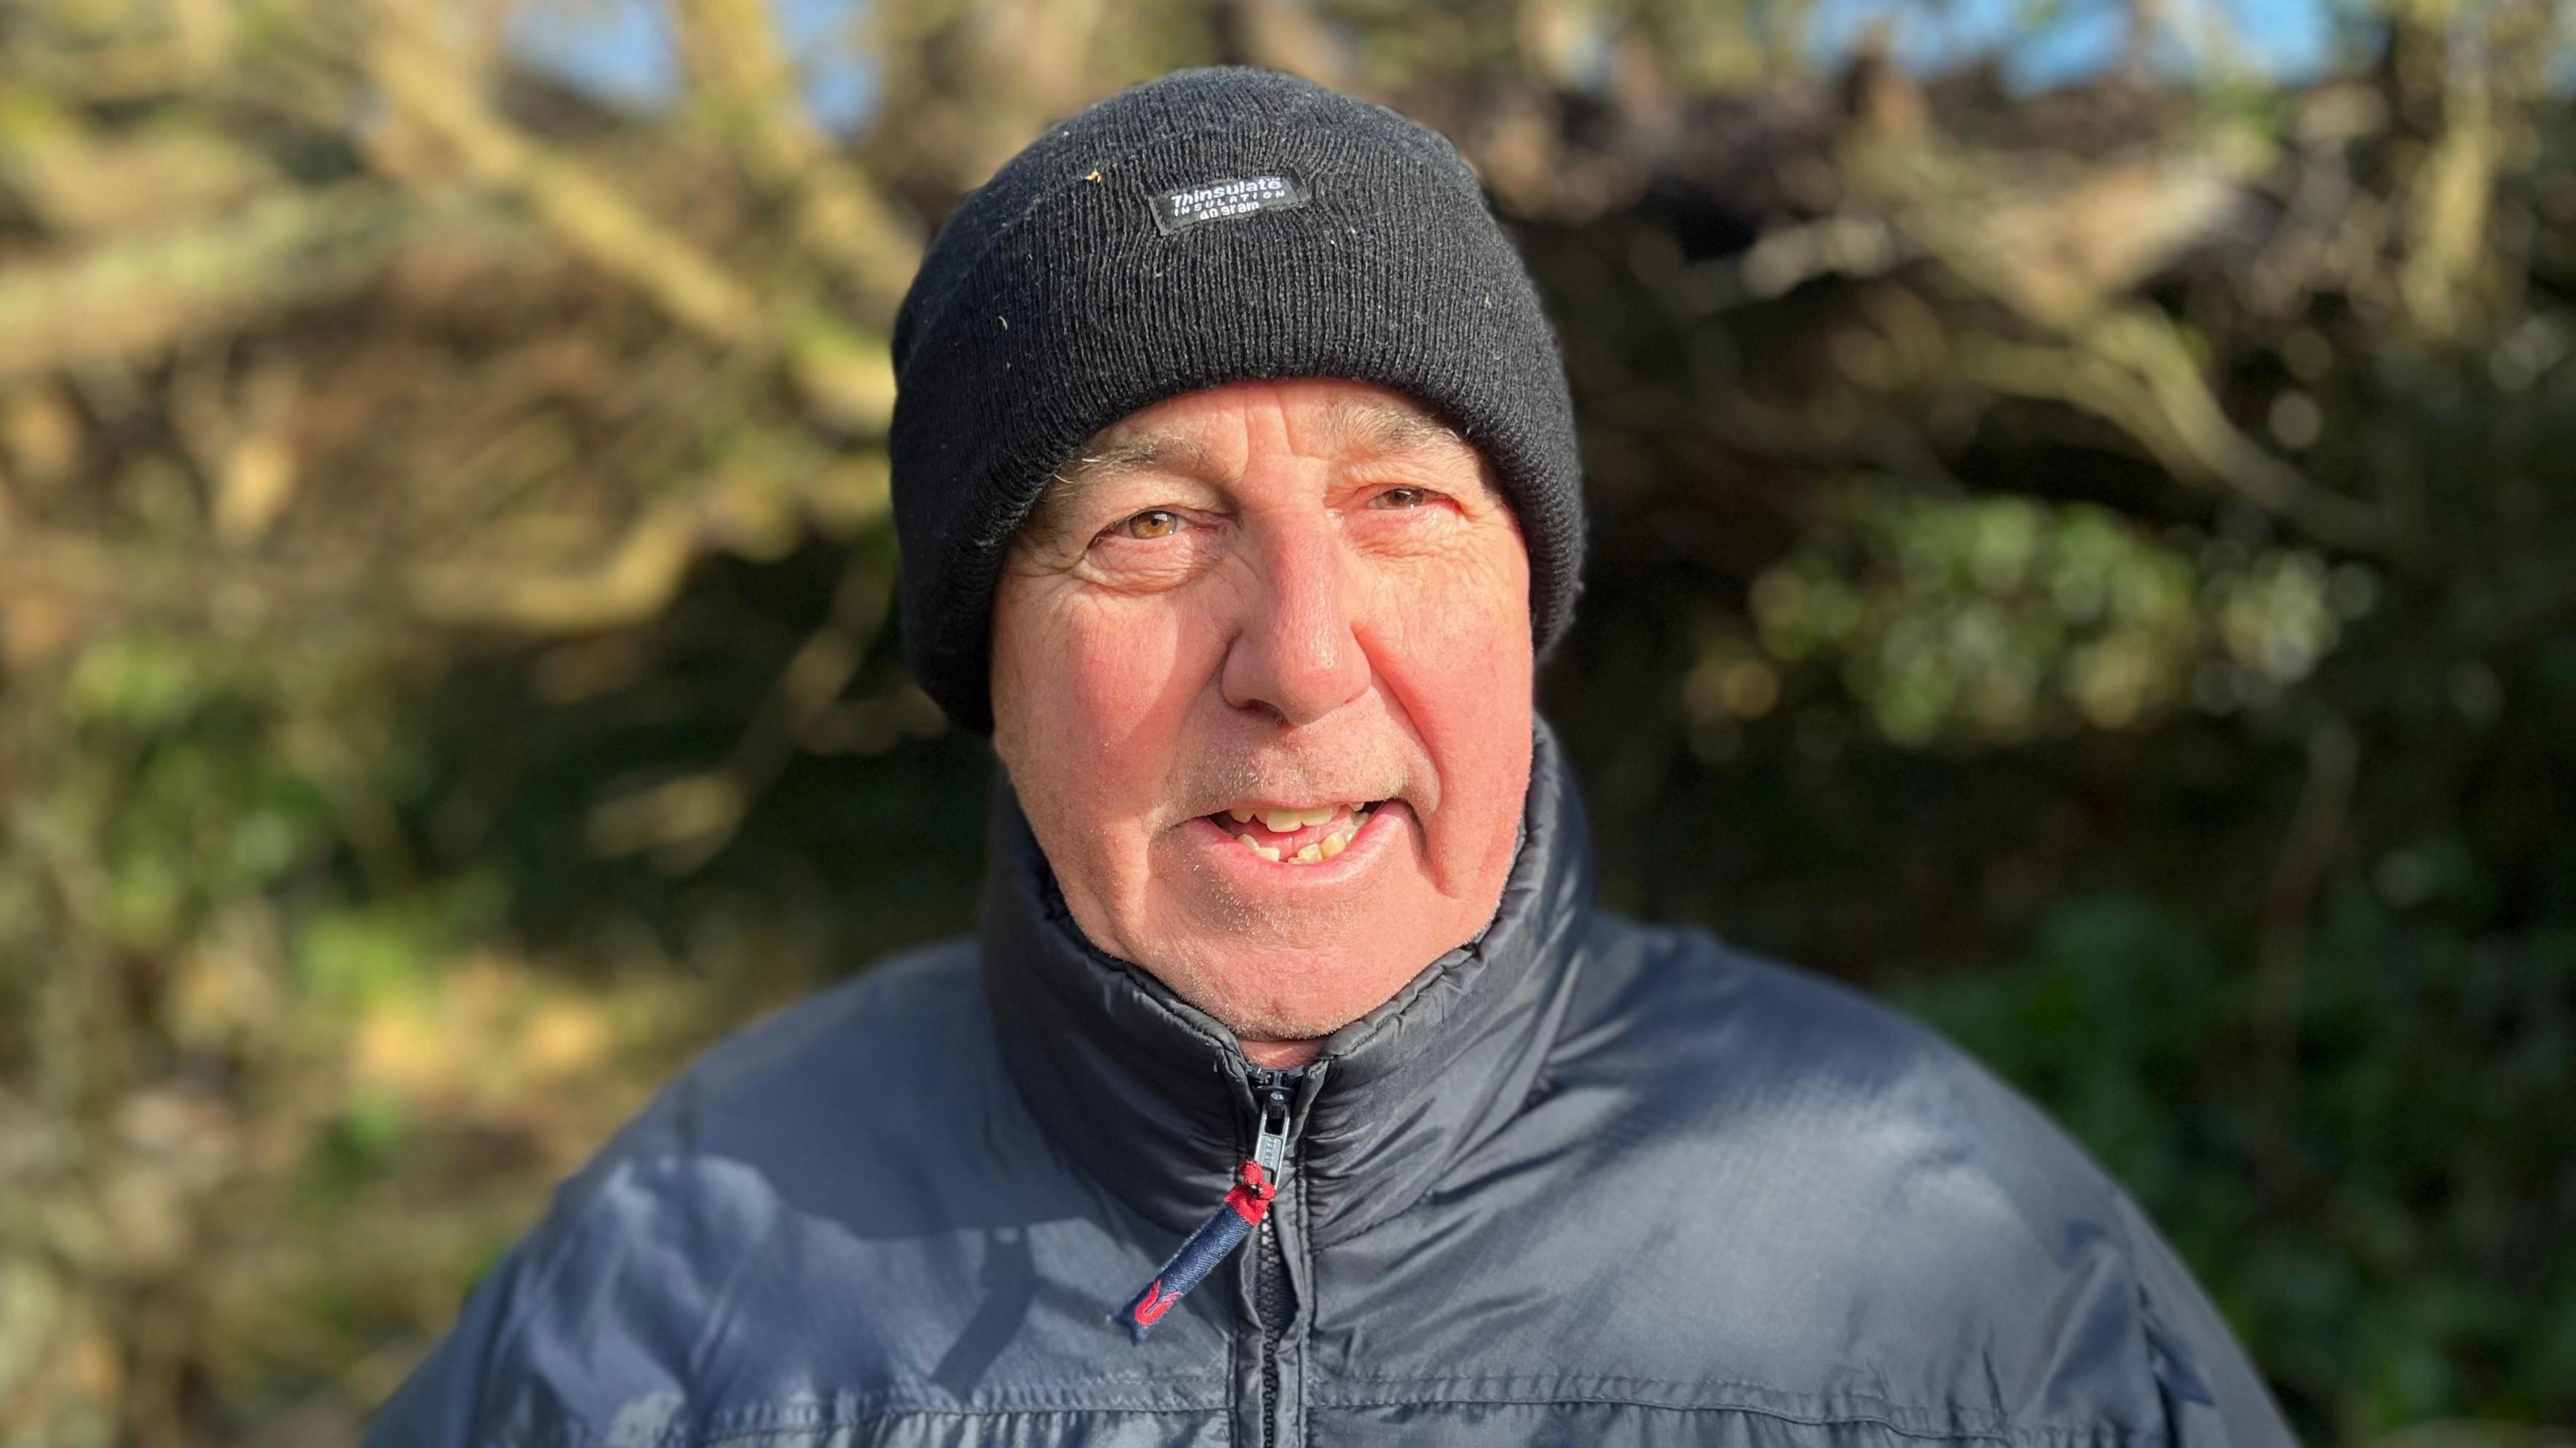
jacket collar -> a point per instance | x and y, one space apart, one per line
1151 1097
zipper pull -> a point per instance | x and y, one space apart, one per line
1256 1183
1270 1147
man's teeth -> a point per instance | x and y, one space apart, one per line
1281 821
1314 854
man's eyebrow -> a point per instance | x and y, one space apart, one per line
1102 460
1380 426
1153 452
1387 428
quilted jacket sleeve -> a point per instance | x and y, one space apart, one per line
491 1381
2213 1397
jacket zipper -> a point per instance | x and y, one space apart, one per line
1273 1304
1245 1208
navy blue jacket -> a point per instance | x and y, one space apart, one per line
1583 1182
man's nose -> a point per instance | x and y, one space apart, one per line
1297 654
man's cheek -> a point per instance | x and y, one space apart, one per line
1128 668
1467 616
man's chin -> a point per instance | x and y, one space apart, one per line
1295 1003
1284 953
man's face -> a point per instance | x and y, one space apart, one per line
1262 679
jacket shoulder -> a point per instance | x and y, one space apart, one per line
1746 1042
1902 1211
665 1295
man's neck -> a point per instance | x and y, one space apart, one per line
1281 1055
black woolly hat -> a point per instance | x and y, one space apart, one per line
1213 226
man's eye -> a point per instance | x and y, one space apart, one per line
1152 523
1403 498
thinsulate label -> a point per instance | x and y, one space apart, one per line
1225 199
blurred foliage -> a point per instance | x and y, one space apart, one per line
2098 563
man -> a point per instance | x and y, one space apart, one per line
1291 1091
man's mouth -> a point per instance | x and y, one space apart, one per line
1294 834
